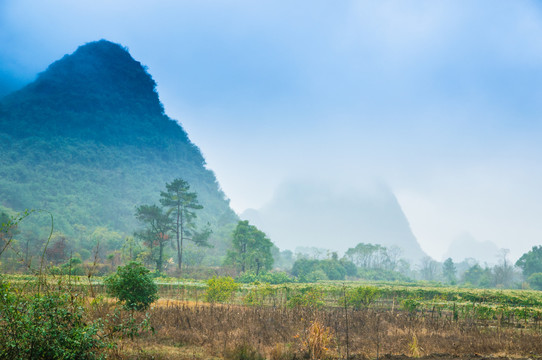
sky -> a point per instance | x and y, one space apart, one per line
438 99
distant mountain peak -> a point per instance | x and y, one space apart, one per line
308 213
98 76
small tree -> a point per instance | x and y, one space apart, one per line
133 286
503 272
220 289
449 270
428 269
155 235
361 297
251 249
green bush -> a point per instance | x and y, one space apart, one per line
361 297
259 294
220 289
268 277
308 296
72 267
411 305
132 285
382 274
46 326
314 276
535 281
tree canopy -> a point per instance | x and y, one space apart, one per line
182 205
156 232
531 261
251 249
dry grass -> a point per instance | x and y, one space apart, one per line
186 330
151 349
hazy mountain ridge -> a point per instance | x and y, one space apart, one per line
305 213
465 246
89 141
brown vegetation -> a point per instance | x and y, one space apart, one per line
192 331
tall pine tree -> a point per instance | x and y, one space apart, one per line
182 205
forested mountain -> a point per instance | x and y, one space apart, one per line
88 140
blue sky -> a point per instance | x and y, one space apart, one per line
439 99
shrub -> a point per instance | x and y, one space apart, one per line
361 297
71 267
318 341
220 289
268 277
46 326
307 297
132 285
411 305
314 276
259 294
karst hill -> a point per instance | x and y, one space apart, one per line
89 141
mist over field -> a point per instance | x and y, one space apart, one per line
439 101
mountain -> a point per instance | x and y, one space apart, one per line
7 84
89 141
309 214
465 246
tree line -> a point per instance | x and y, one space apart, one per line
169 226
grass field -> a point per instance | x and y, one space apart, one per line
329 320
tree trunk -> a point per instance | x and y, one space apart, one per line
179 245
160 257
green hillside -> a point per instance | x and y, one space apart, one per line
89 141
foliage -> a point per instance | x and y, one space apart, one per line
411 305
278 277
429 269
374 256
361 297
72 267
156 232
307 270
259 294
251 249
181 204
133 286
478 277
220 289
535 280
283 260
46 326
382 275
308 296
531 261
449 271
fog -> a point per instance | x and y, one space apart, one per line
440 101
309 213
